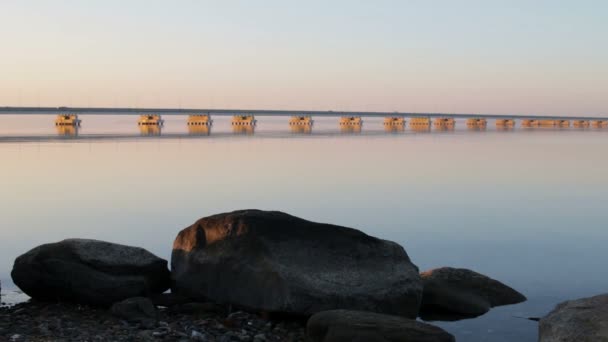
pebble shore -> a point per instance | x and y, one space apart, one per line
34 321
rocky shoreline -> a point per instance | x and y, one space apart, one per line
257 276
43 321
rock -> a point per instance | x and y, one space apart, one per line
89 272
275 262
451 293
581 320
168 299
361 326
198 308
198 336
136 309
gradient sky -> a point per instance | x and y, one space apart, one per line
536 57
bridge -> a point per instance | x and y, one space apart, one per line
273 112
301 121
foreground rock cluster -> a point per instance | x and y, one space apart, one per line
247 275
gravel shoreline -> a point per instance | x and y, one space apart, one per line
37 321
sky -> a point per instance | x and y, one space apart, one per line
502 57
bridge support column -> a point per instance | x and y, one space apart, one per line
199 120
600 123
394 121
444 124
305 120
580 123
67 120
477 123
243 120
528 123
505 123
420 124
150 120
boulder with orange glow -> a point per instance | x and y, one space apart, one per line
274 262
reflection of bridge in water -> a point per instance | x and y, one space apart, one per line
199 121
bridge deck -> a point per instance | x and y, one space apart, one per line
264 112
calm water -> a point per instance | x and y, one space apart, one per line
526 207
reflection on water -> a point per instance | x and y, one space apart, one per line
301 129
199 129
67 131
243 129
501 204
394 128
150 130
350 129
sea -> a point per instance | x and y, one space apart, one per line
526 206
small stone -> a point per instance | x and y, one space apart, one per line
198 336
259 338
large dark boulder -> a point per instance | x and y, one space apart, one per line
581 320
275 262
458 293
361 326
90 272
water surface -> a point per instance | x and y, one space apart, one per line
526 207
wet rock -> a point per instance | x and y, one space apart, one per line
455 293
272 261
581 320
136 309
89 272
360 326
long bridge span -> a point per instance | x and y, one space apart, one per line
274 112
301 121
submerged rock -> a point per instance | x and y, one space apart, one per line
455 293
275 262
581 320
90 272
344 325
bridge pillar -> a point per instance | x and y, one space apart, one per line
600 123
420 124
243 120
530 123
199 120
67 120
394 121
444 124
150 120
305 120
505 123
477 123
580 123
351 121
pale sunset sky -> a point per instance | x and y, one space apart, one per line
528 57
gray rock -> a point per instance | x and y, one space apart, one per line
136 309
458 293
275 262
90 272
581 320
360 326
